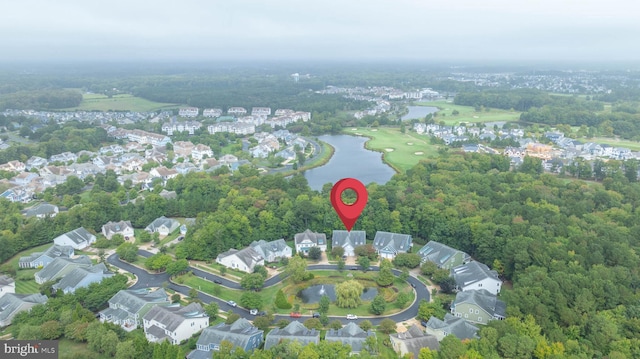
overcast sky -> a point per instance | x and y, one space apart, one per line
353 30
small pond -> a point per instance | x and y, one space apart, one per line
315 292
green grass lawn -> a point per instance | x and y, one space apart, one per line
615 142
468 113
400 150
70 349
27 287
123 102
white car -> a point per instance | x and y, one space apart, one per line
253 312
352 317
232 303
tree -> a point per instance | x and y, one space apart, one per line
126 350
337 252
315 253
335 324
348 294
251 300
232 317
402 300
127 252
177 267
371 344
253 281
341 264
366 325
385 275
297 268
323 306
387 326
409 260
367 250
263 322
261 270
313 323
281 301
378 305
212 309
364 263
404 274
158 262
193 293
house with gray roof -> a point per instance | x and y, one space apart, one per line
388 244
41 259
307 239
12 304
451 325
41 210
478 306
240 333
442 255
81 277
60 267
163 226
350 334
294 331
7 285
245 259
272 251
348 240
475 275
174 323
412 341
123 228
128 306
79 238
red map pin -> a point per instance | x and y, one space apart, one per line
349 213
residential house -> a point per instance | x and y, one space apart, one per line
478 306
412 341
163 226
174 323
451 325
64 157
212 112
79 238
35 162
245 259
42 210
168 194
261 111
129 306
185 167
123 227
475 275
13 166
60 267
7 285
182 148
24 178
294 331
241 334
41 259
81 277
442 255
188 112
236 111
350 334
12 304
388 245
272 251
164 173
201 151
19 194
348 240
307 239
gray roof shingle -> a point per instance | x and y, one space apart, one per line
6 280
415 339
438 253
237 333
52 252
54 270
172 316
459 327
342 238
77 275
472 272
350 334
78 235
293 331
392 242
10 303
319 239
483 299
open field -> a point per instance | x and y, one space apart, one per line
400 150
123 102
632 145
468 113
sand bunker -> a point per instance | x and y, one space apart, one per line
389 149
476 117
354 129
410 143
358 134
374 130
418 153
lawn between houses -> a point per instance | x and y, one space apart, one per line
291 289
122 102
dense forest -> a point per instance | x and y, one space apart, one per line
569 248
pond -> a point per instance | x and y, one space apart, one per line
418 112
315 292
350 159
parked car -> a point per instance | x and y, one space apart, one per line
180 238
352 316
232 303
316 315
295 315
412 285
253 312
261 314
217 281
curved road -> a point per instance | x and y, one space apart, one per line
146 279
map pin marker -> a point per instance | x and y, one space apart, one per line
349 213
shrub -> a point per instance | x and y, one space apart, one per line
281 302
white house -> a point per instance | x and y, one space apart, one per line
79 238
123 227
174 323
307 239
348 240
7 285
475 275
245 259
272 251
163 226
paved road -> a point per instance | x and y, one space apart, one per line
146 279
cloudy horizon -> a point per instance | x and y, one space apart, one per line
374 30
